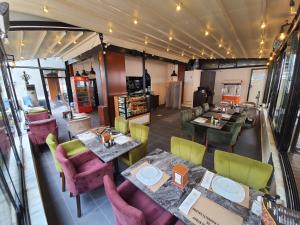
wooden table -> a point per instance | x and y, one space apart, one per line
170 197
104 153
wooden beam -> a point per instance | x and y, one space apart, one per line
38 43
69 43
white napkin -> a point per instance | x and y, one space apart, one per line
122 139
200 120
86 136
190 200
226 116
256 206
206 180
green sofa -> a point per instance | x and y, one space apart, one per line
141 133
187 128
121 125
187 150
250 172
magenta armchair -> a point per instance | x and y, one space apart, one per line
37 116
132 207
83 172
39 130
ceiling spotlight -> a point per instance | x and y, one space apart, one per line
170 38
220 45
202 52
193 57
228 52
178 7
45 9
146 42
259 56
268 63
271 58
282 36
59 42
110 30
190 46
168 49
206 33
135 21
292 7
262 42
263 25
74 42
22 43
182 53
21 57
260 51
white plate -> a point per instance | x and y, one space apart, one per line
200 120
122 139
149 175
229 189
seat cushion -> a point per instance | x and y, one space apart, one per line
150 209
89 165
77 150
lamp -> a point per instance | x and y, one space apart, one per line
173 74
292 7
92 72
282 33
77 74
84 73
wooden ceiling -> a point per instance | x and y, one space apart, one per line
233 26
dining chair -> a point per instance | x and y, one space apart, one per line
132 207
121 125
179 222
71 148
141 133
225 137
76 126
250 172
187 150
198 111
40 129
187 128
30 117
83 172
205 107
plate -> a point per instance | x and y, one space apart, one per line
149 175
228 189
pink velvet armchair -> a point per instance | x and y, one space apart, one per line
39 130
37 116
83 172
132 207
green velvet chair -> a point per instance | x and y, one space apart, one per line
187 128
141 133
225 137
187 150
72 148
205 107
250 172
198 111
121 125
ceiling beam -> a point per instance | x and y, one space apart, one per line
68 43
78 44
38 44
52 46
231 26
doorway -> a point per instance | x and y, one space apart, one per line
257 85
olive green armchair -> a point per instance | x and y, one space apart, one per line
205 107
121 125
187 128
198 111
250 172
141 133
72 148
187 150
225 137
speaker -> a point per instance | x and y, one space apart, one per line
4 18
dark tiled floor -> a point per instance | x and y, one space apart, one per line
96 209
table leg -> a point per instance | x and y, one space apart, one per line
116 169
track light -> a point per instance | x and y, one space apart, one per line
146 42
220 45
262 42
170 38
110 30
59 42
206 33
271 58
74 42
135 21
263 25
182 53
45 9
22 43
228 52
202 52
168 49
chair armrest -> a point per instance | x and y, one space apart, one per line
81 158
126 190
102 170
71 145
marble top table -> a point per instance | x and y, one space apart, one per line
208 124
108 154
225 116
170 197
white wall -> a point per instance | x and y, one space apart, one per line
159 71
243 74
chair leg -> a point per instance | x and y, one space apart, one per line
193 138
71 195
206 143
231 148
78 205
63 182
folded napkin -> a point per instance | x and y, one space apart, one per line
200 120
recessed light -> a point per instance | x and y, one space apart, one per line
178 7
